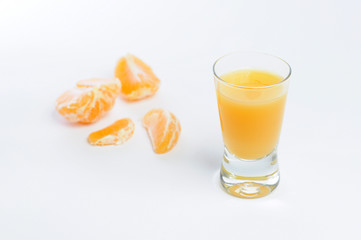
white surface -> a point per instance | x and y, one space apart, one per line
54 185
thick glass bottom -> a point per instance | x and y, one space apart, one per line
249 178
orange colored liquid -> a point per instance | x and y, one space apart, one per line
251 118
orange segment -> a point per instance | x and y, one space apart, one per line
108 87
115 134
163 129
137 78
89 101
105 84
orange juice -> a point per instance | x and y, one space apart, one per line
251 106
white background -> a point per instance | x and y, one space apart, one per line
54 185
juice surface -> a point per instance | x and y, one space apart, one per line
251 118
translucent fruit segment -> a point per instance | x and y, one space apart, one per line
115 134
163 129
73 103
111 85
108 87
89 101
137 78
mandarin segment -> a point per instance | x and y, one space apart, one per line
74 104
137 78
115 134
108 87
163 129
89 101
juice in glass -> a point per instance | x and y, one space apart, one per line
251 94
251 122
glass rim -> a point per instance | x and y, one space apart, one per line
251 52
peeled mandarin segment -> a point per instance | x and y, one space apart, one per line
74 105
137 78
111 85
163 129
109 89
115 134
89 101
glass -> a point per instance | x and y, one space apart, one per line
251 94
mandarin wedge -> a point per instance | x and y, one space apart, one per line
163 129
109 88
137 78
89 101
117 133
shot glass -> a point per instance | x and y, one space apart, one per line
251 92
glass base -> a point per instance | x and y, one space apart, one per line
249 178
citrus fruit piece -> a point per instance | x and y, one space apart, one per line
137 78
89 101
163 129
109 87
117 133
